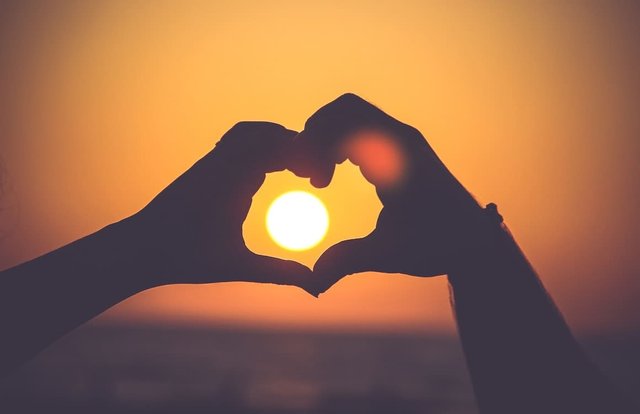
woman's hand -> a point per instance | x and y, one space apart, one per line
192 231
428 218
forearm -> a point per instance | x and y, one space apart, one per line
44 298
520 352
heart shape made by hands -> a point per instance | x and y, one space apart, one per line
351 201
427 219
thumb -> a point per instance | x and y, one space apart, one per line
343 259
266 269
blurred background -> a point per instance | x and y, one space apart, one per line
532 106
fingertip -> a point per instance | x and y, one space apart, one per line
304 278
312 292
315 289
323 178
324 285
325 276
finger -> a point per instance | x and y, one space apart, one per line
265 269
255 146
317 147
245 154
352 128
311 158
346 258
242 157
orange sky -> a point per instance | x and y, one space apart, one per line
533 107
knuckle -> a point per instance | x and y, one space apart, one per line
351 101
241 127
349 97
252 128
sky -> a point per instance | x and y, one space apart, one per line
532 105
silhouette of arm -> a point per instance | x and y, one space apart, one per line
44 298
521 355
190 233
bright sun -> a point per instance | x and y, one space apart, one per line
297 220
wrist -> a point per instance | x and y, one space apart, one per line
479 244
136 256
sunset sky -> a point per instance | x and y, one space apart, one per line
532 106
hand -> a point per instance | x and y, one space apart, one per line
192 230
428 218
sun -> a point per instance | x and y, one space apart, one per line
297 220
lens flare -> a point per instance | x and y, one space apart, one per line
297 220
379 156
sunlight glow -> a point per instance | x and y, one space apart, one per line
380 158
297 220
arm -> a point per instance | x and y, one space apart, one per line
43 299
190 233
520 352
521 355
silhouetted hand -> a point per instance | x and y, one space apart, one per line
193 228
190 233
521 355
428 218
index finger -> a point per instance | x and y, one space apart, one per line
257 146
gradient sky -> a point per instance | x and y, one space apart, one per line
532 106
